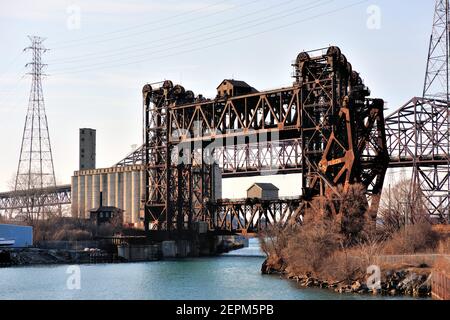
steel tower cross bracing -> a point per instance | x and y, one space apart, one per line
327 108
419 132
431 182
35 170
436 85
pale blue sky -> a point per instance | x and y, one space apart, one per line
97 70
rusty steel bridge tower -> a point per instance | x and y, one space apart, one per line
323 126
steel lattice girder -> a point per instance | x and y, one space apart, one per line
35 199
342 132
252 215
419 137
354 125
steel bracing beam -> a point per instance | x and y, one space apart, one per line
419 138
252 215
28 199
323 125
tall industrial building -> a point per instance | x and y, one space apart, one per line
120 187
87 149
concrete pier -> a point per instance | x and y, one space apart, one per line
136 253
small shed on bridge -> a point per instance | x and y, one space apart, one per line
263 191
234 88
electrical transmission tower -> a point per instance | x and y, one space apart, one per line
436 84
35 173
431 170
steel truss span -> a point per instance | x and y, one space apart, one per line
324 126
52 197
419 137
252 215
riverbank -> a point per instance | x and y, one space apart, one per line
36 256
413 281
221 277
66 252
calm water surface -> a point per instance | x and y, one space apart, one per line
233 276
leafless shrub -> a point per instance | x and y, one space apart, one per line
72 235
343 266
58 228
355 223
274 241
400 206
415 238
105 230
314 242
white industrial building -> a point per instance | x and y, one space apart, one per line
121 187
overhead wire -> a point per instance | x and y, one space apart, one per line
151 23
169 37
170 49
108 65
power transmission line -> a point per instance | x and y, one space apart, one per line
148 24
10 64
203 40
14 89
169 37
97 67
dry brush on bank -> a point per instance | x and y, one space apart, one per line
338 250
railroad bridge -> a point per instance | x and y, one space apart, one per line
323 126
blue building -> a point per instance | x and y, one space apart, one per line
14 236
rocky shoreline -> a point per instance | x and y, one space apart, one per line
40 256
36 256
407 281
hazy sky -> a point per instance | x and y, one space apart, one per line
104 51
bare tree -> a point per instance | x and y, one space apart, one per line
400 206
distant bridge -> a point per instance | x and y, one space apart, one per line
22 199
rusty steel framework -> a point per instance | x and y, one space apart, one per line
324 125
